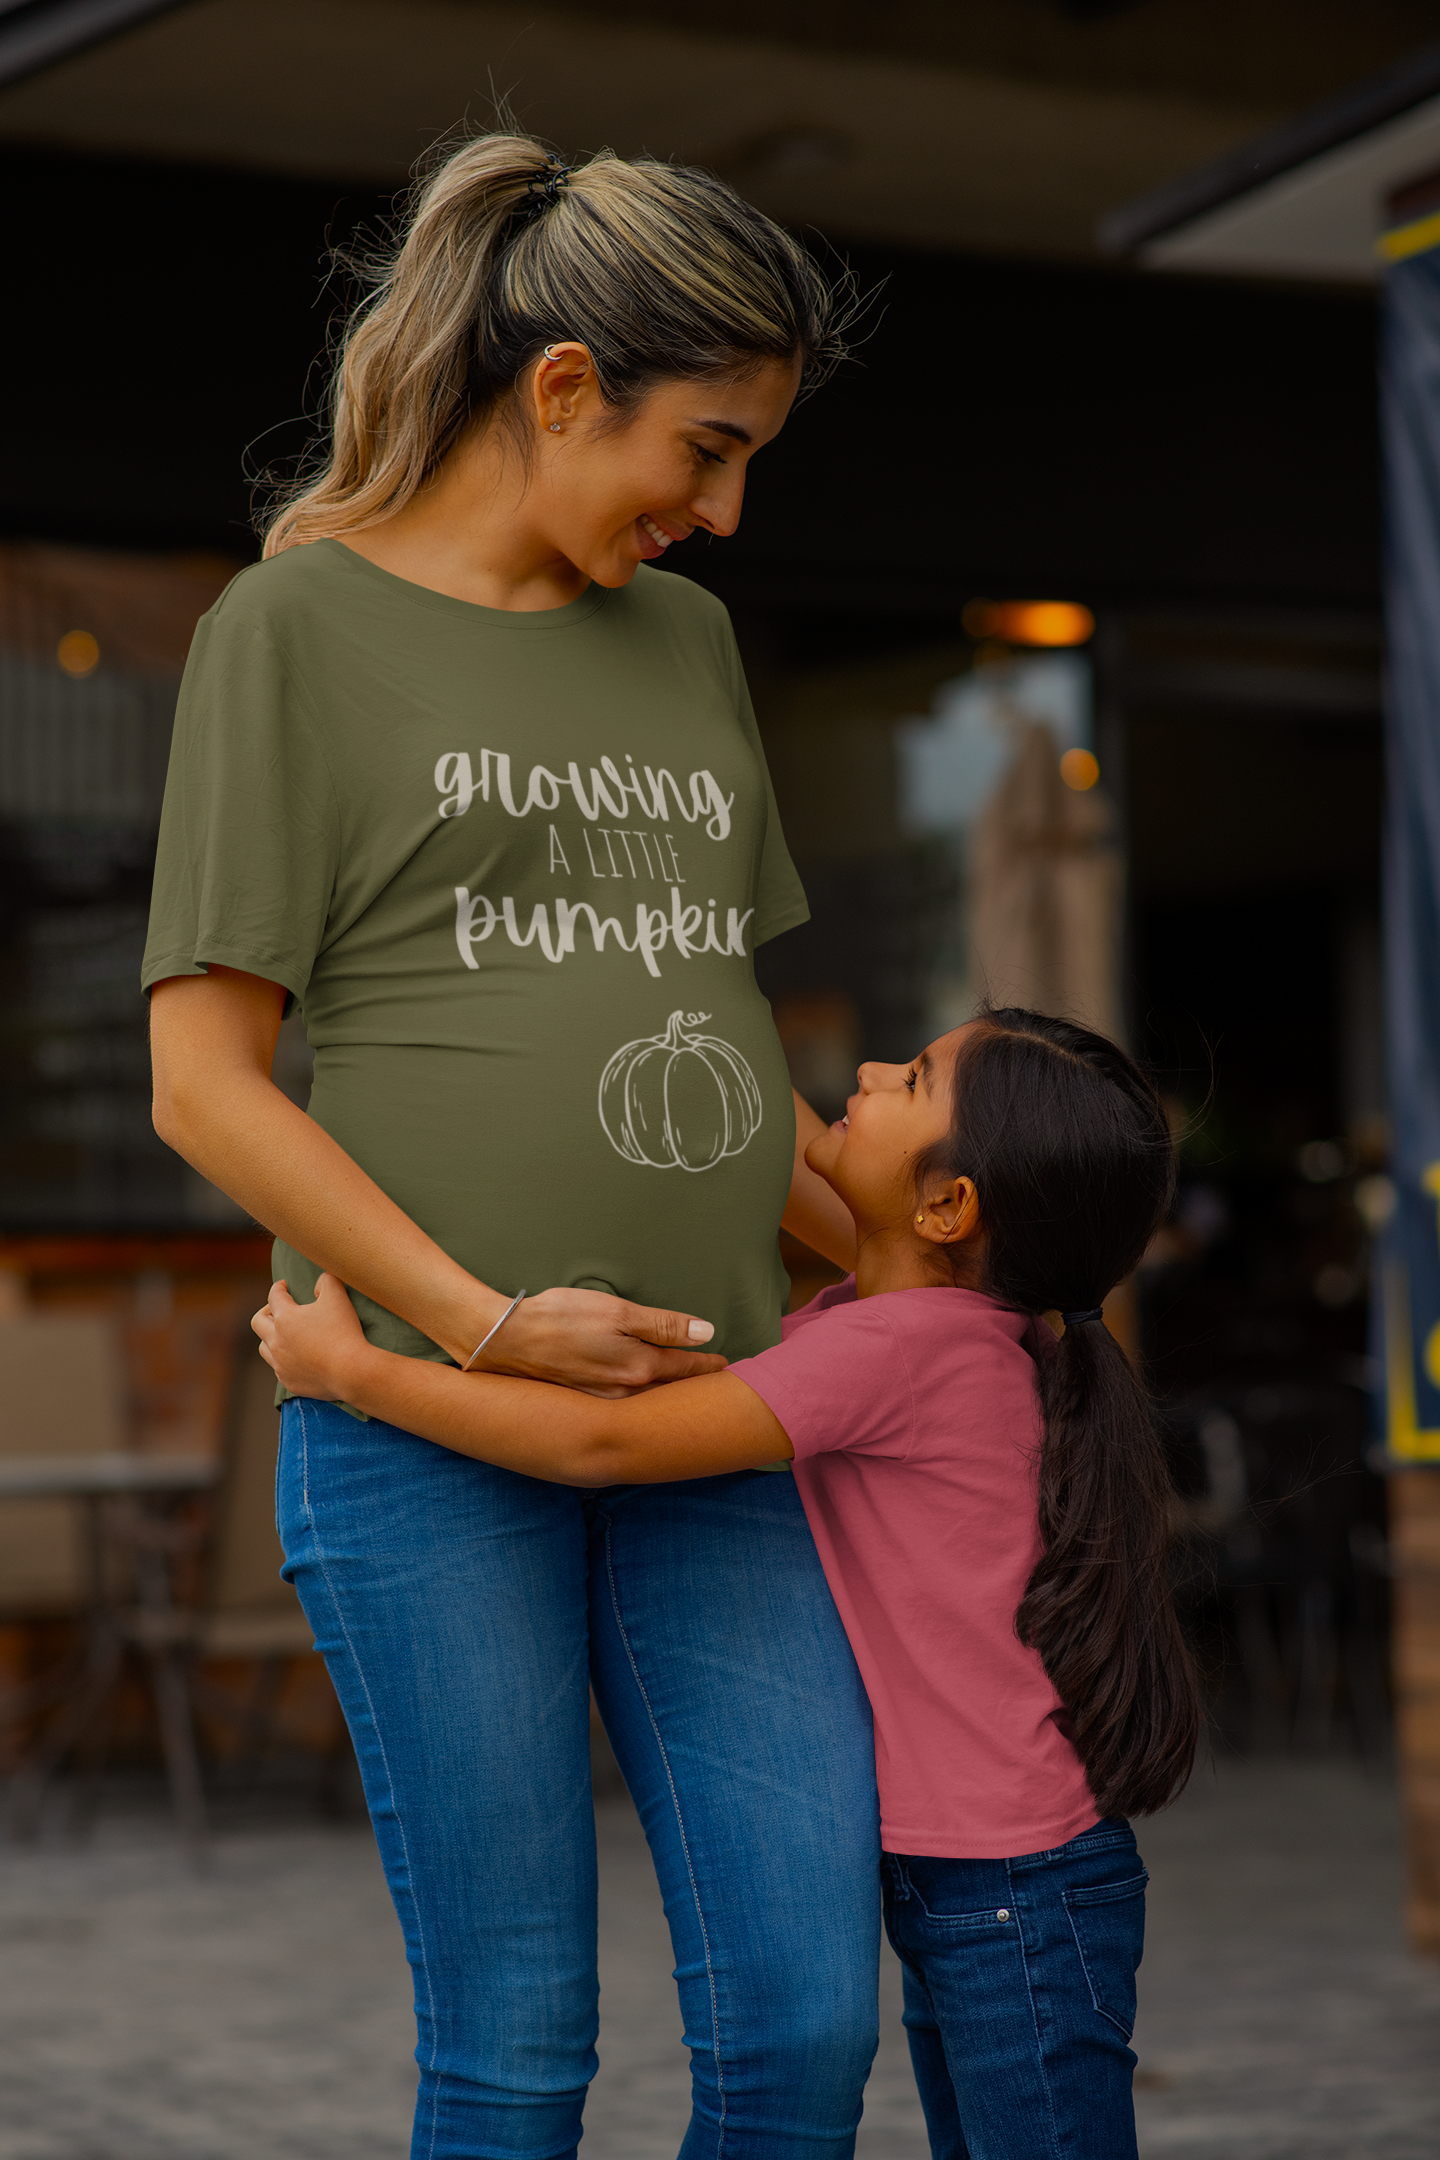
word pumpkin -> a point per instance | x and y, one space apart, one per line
679 1100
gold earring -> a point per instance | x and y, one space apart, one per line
919 1218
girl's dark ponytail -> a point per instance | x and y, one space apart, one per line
1098 1606
1068 1146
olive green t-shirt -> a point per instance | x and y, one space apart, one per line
513 868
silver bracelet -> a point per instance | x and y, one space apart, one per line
494 1331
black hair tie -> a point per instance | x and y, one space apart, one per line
545 184
1078 1319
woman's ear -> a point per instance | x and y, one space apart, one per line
950 1214
563 378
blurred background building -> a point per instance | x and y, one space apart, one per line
1061 608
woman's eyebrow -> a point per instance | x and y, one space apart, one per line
724 427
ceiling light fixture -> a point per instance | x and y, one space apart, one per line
1030 622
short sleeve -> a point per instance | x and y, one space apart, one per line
781 904
840 1384
249 832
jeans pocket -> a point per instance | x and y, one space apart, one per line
293 1521
1108 1923
944 1904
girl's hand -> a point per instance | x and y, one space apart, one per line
313 1348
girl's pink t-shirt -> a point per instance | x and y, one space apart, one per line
916 1427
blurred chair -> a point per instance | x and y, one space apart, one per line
249 1611
63 1391
245 1611
1285 1528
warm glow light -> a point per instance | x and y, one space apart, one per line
78 652
1030 622
1079 769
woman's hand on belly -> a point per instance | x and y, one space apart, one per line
584 1340
213 1038
717 1424
602 1344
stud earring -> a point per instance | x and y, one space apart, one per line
919 1218
554 427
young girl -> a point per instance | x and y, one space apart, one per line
990 1506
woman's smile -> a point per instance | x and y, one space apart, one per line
659 533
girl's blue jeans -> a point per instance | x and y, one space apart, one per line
1020 1996
463 1612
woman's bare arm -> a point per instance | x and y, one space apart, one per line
814 1213
212 1040
698 1428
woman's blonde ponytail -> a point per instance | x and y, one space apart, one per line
661 271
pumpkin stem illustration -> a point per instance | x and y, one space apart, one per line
674 1038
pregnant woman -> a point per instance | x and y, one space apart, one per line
460 774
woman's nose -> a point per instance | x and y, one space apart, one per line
718 508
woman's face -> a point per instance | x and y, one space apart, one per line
896 1114
609 498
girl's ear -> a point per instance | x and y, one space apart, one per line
951 1214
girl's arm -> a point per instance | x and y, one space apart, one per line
212 1040
814 1212
697 1428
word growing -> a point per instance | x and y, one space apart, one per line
476 917
609 791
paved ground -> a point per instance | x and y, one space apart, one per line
264 2010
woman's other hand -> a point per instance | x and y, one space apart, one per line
313 1348
602 1344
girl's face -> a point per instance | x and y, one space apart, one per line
896 1114
608 499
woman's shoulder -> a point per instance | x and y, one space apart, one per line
671 597
282 588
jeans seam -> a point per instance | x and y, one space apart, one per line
384 1758
680 1824
1035 2019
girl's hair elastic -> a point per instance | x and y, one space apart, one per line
1071 1319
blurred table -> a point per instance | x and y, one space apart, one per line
93 1477
82 1687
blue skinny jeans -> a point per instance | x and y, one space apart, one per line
463 1612
1020 1996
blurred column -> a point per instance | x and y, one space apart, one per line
1410 391
1047 891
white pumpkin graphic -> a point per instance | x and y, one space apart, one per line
679 1100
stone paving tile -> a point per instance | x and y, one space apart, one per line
1281 2015
264 2009
148 2015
